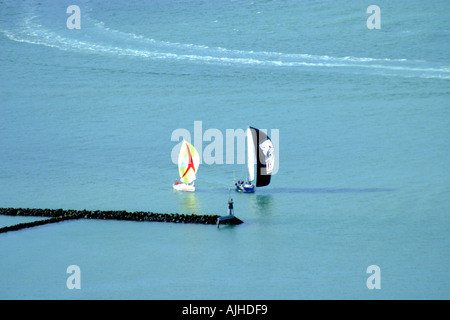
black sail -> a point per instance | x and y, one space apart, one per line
264 157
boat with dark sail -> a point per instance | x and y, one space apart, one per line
260 161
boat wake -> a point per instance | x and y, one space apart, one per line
326 190
102 40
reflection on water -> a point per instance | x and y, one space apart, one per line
262 203
264 199
188 201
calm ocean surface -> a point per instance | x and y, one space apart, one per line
86 119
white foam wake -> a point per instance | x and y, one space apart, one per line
118 43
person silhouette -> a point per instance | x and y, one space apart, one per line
230 206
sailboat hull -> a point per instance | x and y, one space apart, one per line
245 188
184 187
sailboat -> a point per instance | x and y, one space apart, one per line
188 161
260 151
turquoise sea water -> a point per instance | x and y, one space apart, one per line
86 119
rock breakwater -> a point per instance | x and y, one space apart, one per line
57 215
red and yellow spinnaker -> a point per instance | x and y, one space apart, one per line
188 161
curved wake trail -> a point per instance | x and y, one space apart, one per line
118 43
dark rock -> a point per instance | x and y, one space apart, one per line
57 215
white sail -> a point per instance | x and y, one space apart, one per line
267 150
251 157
